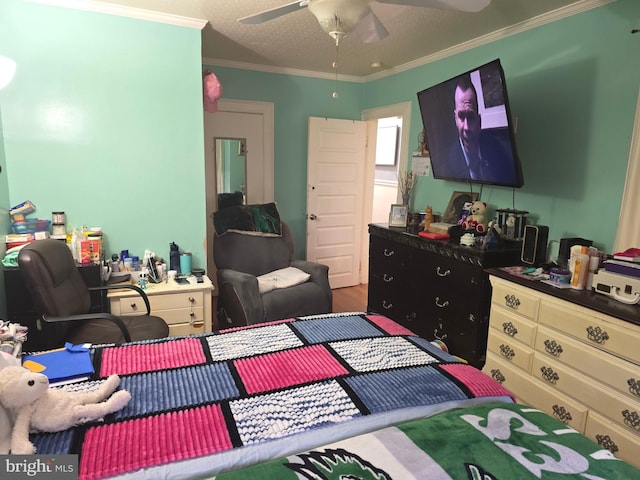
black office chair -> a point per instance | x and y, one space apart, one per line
62 298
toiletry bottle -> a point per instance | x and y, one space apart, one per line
580 269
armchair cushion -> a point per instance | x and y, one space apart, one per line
283 278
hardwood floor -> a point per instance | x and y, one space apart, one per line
350 299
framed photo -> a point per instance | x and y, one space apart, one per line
398 215
457 201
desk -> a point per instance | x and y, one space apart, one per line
185 308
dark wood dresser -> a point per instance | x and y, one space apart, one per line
436 288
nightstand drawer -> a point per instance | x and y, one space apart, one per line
514 299
131 305
511 350
181 315
608 369
593 330
513 325
622 444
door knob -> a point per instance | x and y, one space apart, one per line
312 216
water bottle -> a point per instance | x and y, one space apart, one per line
174 257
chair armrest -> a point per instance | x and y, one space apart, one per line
92 316
319 275
129 287
245 287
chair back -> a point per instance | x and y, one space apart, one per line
253 254
52 277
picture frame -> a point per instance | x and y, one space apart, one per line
398 215
454 209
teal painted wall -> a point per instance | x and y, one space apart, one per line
104 121
4 216
573 86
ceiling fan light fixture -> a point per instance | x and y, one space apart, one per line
338 17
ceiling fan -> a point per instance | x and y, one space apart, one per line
340 17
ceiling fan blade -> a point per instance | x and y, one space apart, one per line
273 13
461 5
370 29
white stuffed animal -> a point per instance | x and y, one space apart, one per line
36 407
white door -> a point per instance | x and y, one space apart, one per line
335 191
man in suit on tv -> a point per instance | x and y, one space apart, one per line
477 154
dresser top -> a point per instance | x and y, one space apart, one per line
485 258
585 298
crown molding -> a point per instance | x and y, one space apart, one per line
122 11
281 70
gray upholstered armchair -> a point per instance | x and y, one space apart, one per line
241 258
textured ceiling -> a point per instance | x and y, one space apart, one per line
296 41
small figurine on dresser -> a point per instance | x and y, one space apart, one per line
428 218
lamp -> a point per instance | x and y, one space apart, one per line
7 71
337 17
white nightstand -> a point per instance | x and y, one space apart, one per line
185 308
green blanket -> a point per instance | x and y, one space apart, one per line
487 442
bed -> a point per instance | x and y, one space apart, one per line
311 396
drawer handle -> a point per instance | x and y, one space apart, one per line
497 375
549 375
443 304
192 300
552 347
631 419
562 414
387 278
386 305
634 387
441 273
198 324
605 442
512 301
507 352
509 329
597 334
134 306
389 253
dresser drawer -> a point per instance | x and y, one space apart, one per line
615 337
515 299
512 325
510 350
622 409
608 369
182 329
529 391
618 441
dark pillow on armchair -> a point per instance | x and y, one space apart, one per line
226 200
263 220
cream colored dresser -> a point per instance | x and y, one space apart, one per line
577 364
185 308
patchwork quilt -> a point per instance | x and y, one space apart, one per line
198 397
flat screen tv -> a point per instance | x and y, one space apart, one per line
468 128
